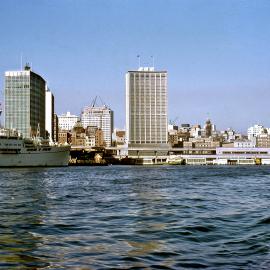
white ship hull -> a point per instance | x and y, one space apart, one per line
18 152
55 157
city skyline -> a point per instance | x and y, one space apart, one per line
216 54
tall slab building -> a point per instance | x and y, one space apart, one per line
25 102
146 107
49 112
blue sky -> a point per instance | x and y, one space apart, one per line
217 53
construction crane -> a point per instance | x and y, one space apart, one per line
94 101
173 122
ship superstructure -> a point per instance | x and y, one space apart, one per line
16 151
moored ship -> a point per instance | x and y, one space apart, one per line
16 151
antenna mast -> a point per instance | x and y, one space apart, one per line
153 61
139 60
21 61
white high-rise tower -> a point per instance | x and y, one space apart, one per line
49 112
146 107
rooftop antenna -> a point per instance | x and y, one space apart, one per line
153 61
139 60
21 61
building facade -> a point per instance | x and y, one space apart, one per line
67 121
49 112
120 137
55 127
245 143
25 102
64 136
263 140
146 107
100 117
255 131
208 128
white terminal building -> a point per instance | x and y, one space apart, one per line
146 107
100 117
67 121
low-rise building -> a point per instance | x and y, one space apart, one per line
78 136
207 144
263 140
67 121
196 131
120 137
64 136
188 144
99 138
184 128
91 135
172 127
245 143
173 138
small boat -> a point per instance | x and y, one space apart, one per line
175 160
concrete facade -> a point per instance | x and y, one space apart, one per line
67 121
100 117
49 112
146 107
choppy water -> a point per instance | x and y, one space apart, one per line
161 217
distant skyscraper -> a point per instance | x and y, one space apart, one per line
49 111
146 107
25 102
100 117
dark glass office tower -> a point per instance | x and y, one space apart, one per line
25 102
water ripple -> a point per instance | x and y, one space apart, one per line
135 217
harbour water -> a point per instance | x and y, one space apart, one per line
135 217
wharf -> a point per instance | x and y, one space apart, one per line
159 156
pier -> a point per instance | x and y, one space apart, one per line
81 155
